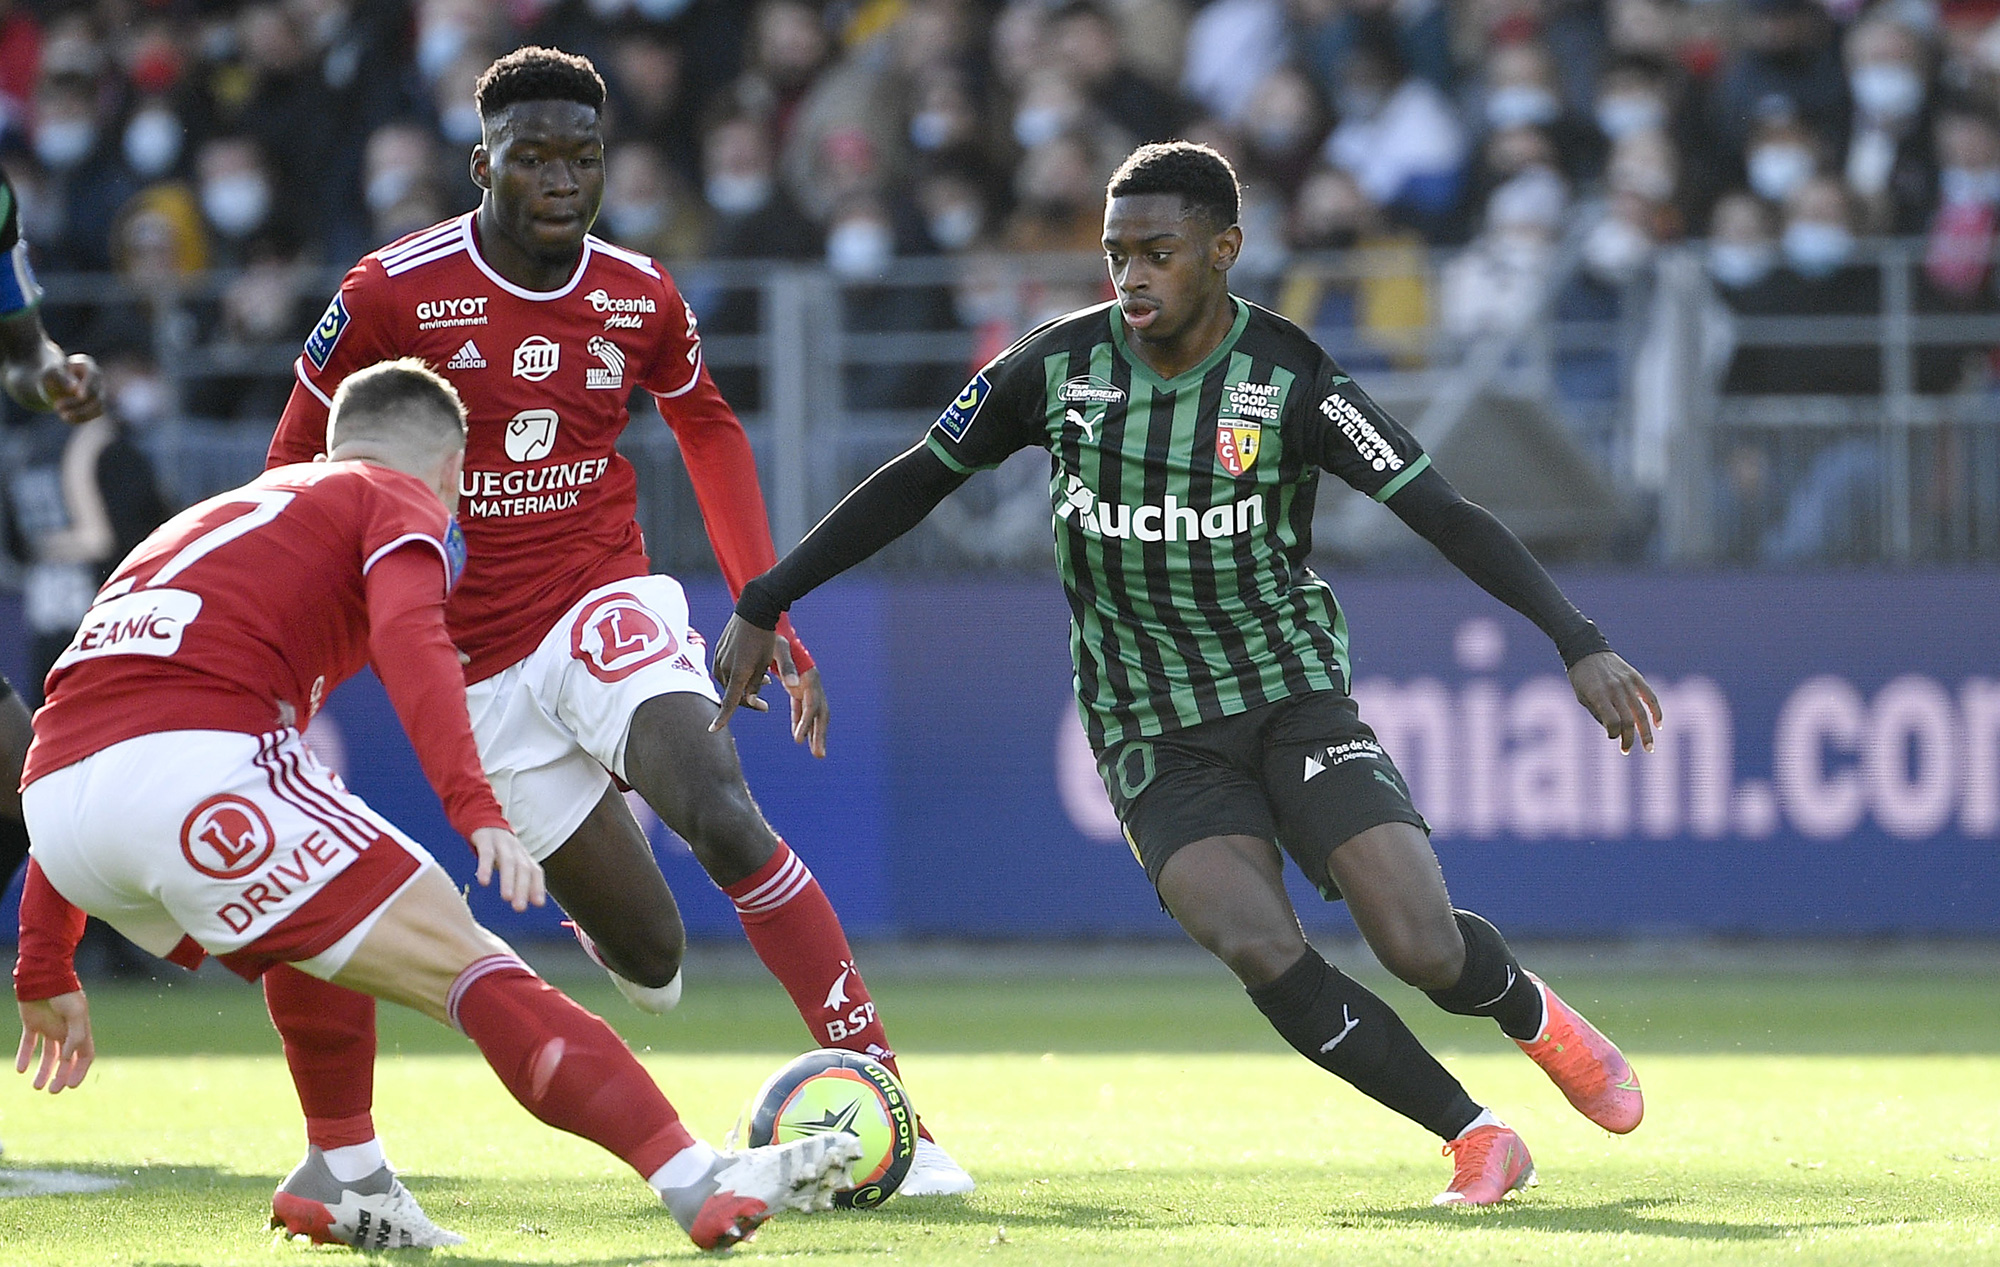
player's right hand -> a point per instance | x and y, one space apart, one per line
522 883
742 655
74 388
60 1029
1618 697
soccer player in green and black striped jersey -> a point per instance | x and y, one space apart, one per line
1187 431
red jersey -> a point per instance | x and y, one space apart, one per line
242 612
547 504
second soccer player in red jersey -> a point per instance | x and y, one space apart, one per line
583 664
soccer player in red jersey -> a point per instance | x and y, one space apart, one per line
582 663
169 792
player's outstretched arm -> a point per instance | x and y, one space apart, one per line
1618 697
501 852
57 1031
40 376
888 504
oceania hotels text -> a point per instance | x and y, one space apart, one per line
534 491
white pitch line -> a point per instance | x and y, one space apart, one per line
47 1183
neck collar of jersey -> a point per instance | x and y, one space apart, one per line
1186 376
521 292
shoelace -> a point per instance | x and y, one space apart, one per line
1469 1154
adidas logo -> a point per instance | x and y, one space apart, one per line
466 358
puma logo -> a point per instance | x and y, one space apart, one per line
1334 1042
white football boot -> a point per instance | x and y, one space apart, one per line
743 1189
657 999
377 1212
933 1173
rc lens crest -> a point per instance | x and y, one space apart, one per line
1237 444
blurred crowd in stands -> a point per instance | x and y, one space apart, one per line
162 137
157 139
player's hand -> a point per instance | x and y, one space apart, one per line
809 711
60 1029
74 388
742 655
1618 698
521 881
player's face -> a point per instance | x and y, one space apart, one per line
1169 269
543 170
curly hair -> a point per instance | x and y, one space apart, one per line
538 74
1203 178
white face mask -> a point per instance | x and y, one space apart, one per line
1969 186
860 248
236 204
736 194
1037 125
460 125
1616 250
63 143
1521 106
954 227
1629 114
930 129
1776 170
1740 264
1885 90
631 222
142 400
1816 249
386 188
153 141
437 46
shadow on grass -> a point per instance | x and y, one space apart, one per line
1633 1215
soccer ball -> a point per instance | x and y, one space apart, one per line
833 1090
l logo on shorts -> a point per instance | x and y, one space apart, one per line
617 635
226 837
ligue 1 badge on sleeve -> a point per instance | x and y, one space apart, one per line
454 554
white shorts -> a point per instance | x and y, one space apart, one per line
246 843
550 727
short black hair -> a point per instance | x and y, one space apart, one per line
1202 177
538 74
403 403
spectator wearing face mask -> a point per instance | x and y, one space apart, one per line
1520 89
399 181
84 182
1399 136
1059 199
1742 250
647 207
1783 155
1817 276
1284 129
863 239
1639 93
1958 276
752 217
1890 166
1084 41
952 201
236 196
154 141
1499 284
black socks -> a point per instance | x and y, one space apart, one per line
1336 1023
1492 983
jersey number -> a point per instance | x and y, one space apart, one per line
265 505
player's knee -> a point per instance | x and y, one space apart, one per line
1256 956
650 958
1427 959
728 835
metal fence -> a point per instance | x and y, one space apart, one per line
1595 419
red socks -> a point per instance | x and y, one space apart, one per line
565 1065
792 927
329 1034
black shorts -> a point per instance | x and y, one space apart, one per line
1305 772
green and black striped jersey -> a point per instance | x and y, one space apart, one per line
1182 508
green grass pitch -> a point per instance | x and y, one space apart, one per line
1810 1117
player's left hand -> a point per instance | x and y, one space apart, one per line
1618 697
73 387
522 883
60 1029
809 710
739 667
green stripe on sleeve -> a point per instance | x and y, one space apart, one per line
1395 486
936 446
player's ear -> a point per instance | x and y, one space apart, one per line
482 167
1228 245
